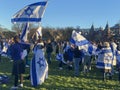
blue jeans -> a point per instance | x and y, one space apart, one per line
76 66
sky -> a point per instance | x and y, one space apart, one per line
67 13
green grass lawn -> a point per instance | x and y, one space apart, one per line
62 79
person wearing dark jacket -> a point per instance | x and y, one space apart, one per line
18 64
49 50
77 54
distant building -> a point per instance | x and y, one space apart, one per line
100 34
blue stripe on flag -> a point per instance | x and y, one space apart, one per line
26 19
39 3
38 33
72 41
24 32
82 42
34 75
106 51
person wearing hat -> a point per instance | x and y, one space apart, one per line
104 61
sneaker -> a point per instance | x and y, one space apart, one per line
60 68
116 72
14 88
26 65
90 68
11 60
21 85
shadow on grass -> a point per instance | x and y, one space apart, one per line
62 79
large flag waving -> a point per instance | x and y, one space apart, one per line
31 13
82 42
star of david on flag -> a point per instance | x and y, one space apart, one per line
41 62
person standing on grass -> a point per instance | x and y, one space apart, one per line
86 62
59 55
70 58
76 59
104 62
49 50
113 46
39 65
11 42
18 64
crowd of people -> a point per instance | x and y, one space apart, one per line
106 56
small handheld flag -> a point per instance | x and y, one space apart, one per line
25 31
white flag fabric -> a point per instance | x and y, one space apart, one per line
31 13
39 32
24 54
5 48
82 42
114 50
38 67
25 32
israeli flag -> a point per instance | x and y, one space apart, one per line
82 42
31 13
60 57
104 60
38 67
25 32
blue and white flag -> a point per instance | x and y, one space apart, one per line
82 43
60 57
104 60
31 13
38 67
25 32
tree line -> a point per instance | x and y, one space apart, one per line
58 34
